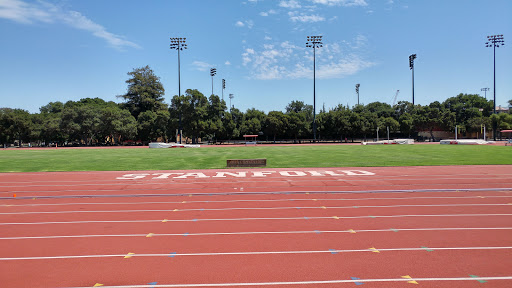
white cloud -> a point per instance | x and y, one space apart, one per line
281 61
346 3
291 4
227 63
301 17
248 23
267 38
28 13
202 66
269 12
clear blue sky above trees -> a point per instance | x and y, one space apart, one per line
68 50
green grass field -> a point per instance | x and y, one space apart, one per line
25 160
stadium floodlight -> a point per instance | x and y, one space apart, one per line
494 41
411 66
213 72
231 96
179 44
223 88
357 91
485 92
314 42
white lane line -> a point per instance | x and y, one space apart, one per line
171 181
306 282
250 208
253 253
161 188
248 219
248 200
255 233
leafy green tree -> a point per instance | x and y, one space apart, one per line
117 124
145 92
275 123
15 124
195 113
381 109
406 123
253 122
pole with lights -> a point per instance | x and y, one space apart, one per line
231 96
357 91
494 41
411 66
485 91
213 72
179 44
223 88
314 42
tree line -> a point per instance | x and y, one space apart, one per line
143 117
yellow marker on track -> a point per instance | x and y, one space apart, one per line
323 207
164 221
352 231
335 217
409 277
184 202
175 210
149 235
97 285
129 255
373 249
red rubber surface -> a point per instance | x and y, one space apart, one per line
453 207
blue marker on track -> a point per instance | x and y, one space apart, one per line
185 234
333 251
172 254
357 283
152 283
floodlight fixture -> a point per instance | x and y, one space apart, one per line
178 43
494 41
411 66
314 42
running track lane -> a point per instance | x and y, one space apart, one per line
457 253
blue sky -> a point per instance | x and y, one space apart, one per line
70 49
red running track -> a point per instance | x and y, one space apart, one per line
448 226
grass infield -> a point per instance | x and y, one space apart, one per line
27 160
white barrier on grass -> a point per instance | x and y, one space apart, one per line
171 145
465 142
394 141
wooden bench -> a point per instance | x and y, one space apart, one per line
247 162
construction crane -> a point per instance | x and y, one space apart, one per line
394 99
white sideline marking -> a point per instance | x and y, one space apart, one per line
246 219
252 233
308 282
246 208
252 253
248 200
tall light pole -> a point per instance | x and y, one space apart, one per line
213 72
314 42
485 91
357 91
231 96
411 66
494 41
179 44
223 87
